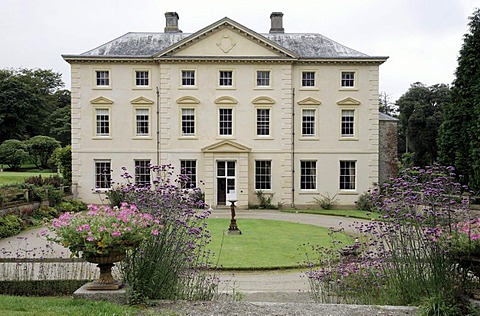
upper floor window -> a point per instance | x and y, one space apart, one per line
308 79
188 122
308 175
263 175
142 78
102 78
142 122
348 123
188 170
263 122
142 172
225 121
188 77
308 122
347 175
103 174
348 79
225 78
102 122
263 78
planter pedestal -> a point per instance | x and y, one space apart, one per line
105 264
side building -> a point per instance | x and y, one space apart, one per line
293 115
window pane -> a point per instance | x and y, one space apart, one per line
142 172
188 77
308 79
188 170
348 123
347 175
263 175
225 122
226 78
103 171
308 175
263 78
348 79
263 122
103 78
141 78
188 122
142 123
308 123
102 117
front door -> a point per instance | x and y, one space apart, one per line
225 181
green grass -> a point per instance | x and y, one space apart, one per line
265 244
343 213
50 306
9 177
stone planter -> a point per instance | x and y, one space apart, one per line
105 263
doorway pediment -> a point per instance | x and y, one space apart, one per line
226 146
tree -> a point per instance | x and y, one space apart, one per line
13 153
420 119
459 139
27 98
41 149
59 120
62 158
386 106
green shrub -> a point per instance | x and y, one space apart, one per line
71 206
326 202
54 195
10 225
35 180
265 200
365 202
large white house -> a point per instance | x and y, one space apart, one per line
293 115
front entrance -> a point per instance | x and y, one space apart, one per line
225 182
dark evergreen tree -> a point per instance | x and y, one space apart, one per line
459 140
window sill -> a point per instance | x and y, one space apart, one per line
263 88
348 192
102 88
188 88
305 192
142 137
142 88
314 138
348 139
263 138
102 138
226 88
348 89
188 138
308 89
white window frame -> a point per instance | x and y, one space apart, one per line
343 135
345 185
143 175
190 171
304 175
257 79
98 134
232 109
99 183
194 78
263 180
182 133
96 78
148 78
261 136
314 135
219 79
343 81
136 122
315 79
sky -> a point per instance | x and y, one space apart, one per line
421 37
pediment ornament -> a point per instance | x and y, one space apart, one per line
142 100
348 101
309 101
226 43
225 100
188 100
101 100
226 146
263 100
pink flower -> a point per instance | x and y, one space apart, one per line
116 234
90 238
155 232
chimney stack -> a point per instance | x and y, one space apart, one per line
172 22
276 19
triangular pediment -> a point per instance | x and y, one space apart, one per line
226 146
226 100
226 38
263 100
142 100
348 101
309 101
101 100
188 100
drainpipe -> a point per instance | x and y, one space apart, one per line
293 148
158 127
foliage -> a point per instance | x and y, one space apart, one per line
13 153
41 149
27 99
265 200
458 142
325 201
101 230
62 159
365 202
438 306
386 106
463 239
40 287
59 119
421 109
174 263
398 261
71 206
10 225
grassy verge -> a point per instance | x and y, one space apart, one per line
9 177
343 213
265 244
51 306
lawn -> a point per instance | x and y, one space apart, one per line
51 306
344 213
9 177
265 244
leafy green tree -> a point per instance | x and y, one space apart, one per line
27 98
420 118
62 159
41 149
459 140
13 153
59 120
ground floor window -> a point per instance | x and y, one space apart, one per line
142 172
188 170
263 175
347 175
103 174
308 175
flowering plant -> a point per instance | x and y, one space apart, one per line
465 239
102 229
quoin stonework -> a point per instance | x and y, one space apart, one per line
294 115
